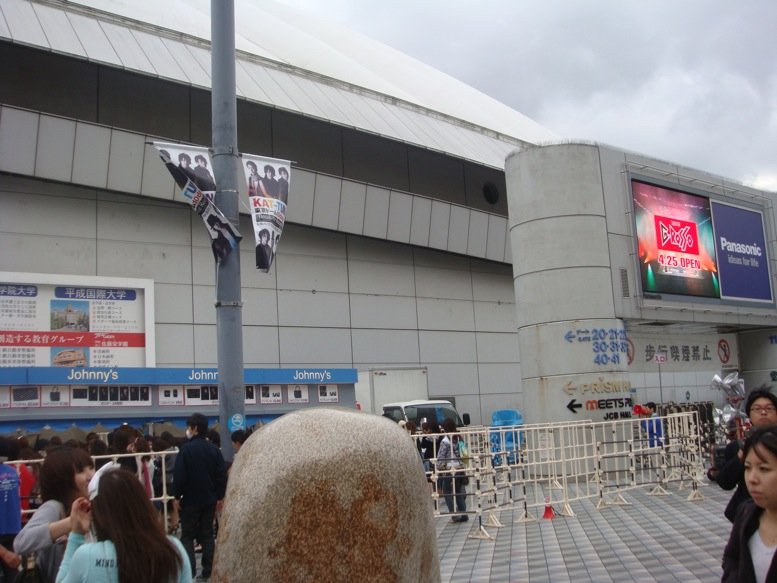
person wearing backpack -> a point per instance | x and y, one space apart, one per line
452 480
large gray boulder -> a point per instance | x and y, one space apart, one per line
327 494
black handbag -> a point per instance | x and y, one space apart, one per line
30 572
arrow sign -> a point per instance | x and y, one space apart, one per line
569 388
573 406
569 336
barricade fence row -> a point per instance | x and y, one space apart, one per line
159 459
534 469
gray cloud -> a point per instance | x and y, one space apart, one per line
693 82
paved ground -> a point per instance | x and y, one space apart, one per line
657 538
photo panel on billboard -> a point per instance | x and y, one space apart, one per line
70 321
675 242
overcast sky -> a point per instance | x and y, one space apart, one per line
692 82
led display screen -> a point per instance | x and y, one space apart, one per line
690 245
675 242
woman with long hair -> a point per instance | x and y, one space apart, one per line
64 477
131 544
750 553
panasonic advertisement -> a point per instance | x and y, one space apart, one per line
740 245
691 245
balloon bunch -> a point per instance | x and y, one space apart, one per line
731 417
732 385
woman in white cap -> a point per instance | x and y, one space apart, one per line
131 545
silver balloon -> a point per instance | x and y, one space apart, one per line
730 413
731 384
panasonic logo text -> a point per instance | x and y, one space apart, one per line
743 248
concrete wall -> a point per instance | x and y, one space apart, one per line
331 299
759 357
87 154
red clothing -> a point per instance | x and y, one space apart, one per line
26 484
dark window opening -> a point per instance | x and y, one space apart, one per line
490 193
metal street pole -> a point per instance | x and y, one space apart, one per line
660 385
659 358
226 165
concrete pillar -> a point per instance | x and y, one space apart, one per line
573 348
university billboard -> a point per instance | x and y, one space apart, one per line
71 321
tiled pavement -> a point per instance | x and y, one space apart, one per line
666 539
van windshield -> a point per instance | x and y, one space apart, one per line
393 413
434 414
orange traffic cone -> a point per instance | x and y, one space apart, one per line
549 512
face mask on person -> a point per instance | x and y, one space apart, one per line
189 433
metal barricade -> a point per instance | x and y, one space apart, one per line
534 467
162 498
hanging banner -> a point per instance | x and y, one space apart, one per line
198 186
268 181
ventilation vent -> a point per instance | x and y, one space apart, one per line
625 283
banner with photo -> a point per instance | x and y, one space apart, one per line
198 186
268 181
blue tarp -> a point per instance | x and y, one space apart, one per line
506 441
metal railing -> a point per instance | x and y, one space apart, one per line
164 497
535 467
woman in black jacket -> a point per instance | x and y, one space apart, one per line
750 552
761 408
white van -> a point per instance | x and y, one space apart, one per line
435 412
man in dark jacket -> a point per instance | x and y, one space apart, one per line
761 408
199 484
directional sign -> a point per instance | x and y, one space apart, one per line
659 357
607 344
573 406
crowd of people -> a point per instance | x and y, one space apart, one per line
95 514
750 469
444 453
96 519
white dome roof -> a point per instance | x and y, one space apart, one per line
290 60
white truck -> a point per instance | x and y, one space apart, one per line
377 387
402 393
419 411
